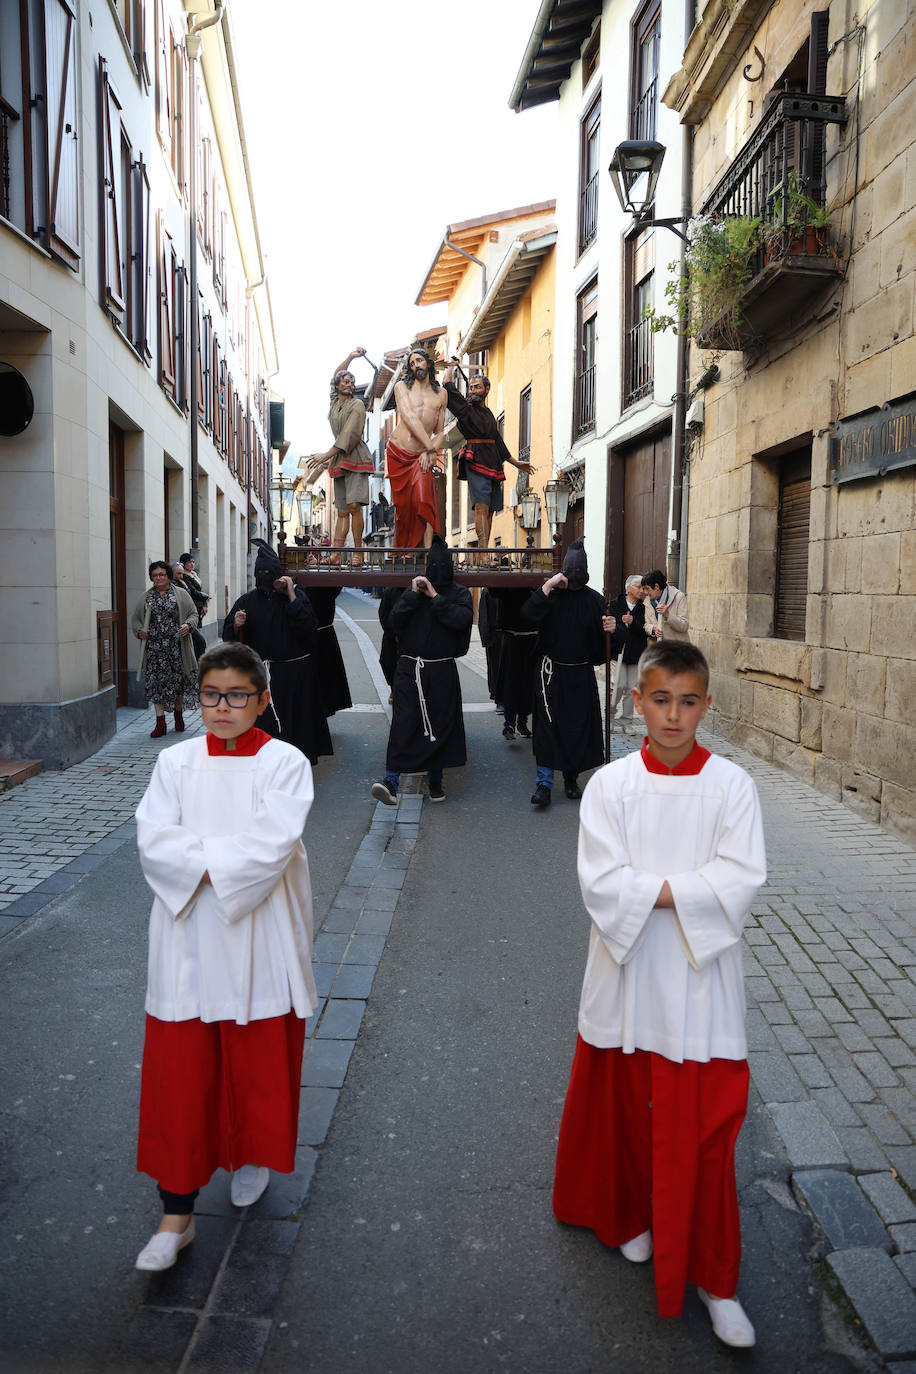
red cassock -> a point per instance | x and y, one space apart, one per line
648 1143
414 495
216 1095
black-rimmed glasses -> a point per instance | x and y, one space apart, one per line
209 696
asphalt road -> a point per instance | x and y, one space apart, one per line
427 1244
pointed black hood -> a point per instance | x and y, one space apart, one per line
575 565
439 566
267 567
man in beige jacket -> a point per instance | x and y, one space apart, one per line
670 606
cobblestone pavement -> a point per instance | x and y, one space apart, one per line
831 981
49 824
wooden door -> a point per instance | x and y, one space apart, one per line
117 523
646 494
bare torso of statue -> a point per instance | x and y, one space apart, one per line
421 416
413 450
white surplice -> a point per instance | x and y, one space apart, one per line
658 979
239 947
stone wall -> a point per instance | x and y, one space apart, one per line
835 709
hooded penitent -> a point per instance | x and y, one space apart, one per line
575 565
439 566
267 567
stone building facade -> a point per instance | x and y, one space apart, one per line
802 490
96 226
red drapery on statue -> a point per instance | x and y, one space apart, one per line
414 495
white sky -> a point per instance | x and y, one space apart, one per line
362 120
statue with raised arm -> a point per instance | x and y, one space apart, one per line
348 460
481 460
412 452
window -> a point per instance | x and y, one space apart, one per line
586 348
173 310
524 427
792 546
589 153
591 57
639 264
123 222
132 14
39 152
171 87
644 71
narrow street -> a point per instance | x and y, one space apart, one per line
417 1233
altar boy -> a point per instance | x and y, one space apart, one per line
230 981
671 855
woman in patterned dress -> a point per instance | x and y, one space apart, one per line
163 619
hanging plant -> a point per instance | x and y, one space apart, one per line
705 300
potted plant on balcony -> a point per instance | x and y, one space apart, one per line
795 223
719 261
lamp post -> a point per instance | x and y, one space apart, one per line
556 499
304 502
632 159
530 517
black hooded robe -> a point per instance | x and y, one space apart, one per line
567 712
283 633
388 653
427 725
514 687
329 664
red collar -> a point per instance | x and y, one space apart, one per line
245 745
687 767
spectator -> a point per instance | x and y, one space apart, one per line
670 606
163 619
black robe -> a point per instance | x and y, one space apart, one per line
283 633
388 653
429 629
491 637
567 713
329 664
514 686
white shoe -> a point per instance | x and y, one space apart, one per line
729 1320
248 1183
639 1249
162 1250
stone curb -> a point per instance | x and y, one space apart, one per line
212 1311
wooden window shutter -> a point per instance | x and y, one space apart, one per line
114 288
63 148
166 312
223 409
214 381
182 333
141 262
163 79
138 40
792 547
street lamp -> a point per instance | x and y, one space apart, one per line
530 512
632 159
304 502
556 499
281 502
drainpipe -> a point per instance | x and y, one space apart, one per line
677 508
192 45
470 257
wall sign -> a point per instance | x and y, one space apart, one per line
875 443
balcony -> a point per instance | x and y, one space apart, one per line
778 180
638 363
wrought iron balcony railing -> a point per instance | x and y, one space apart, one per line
588 213
638 363
584 417
778 179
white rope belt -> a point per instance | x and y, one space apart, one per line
419 665
267 664
521 634
547 677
